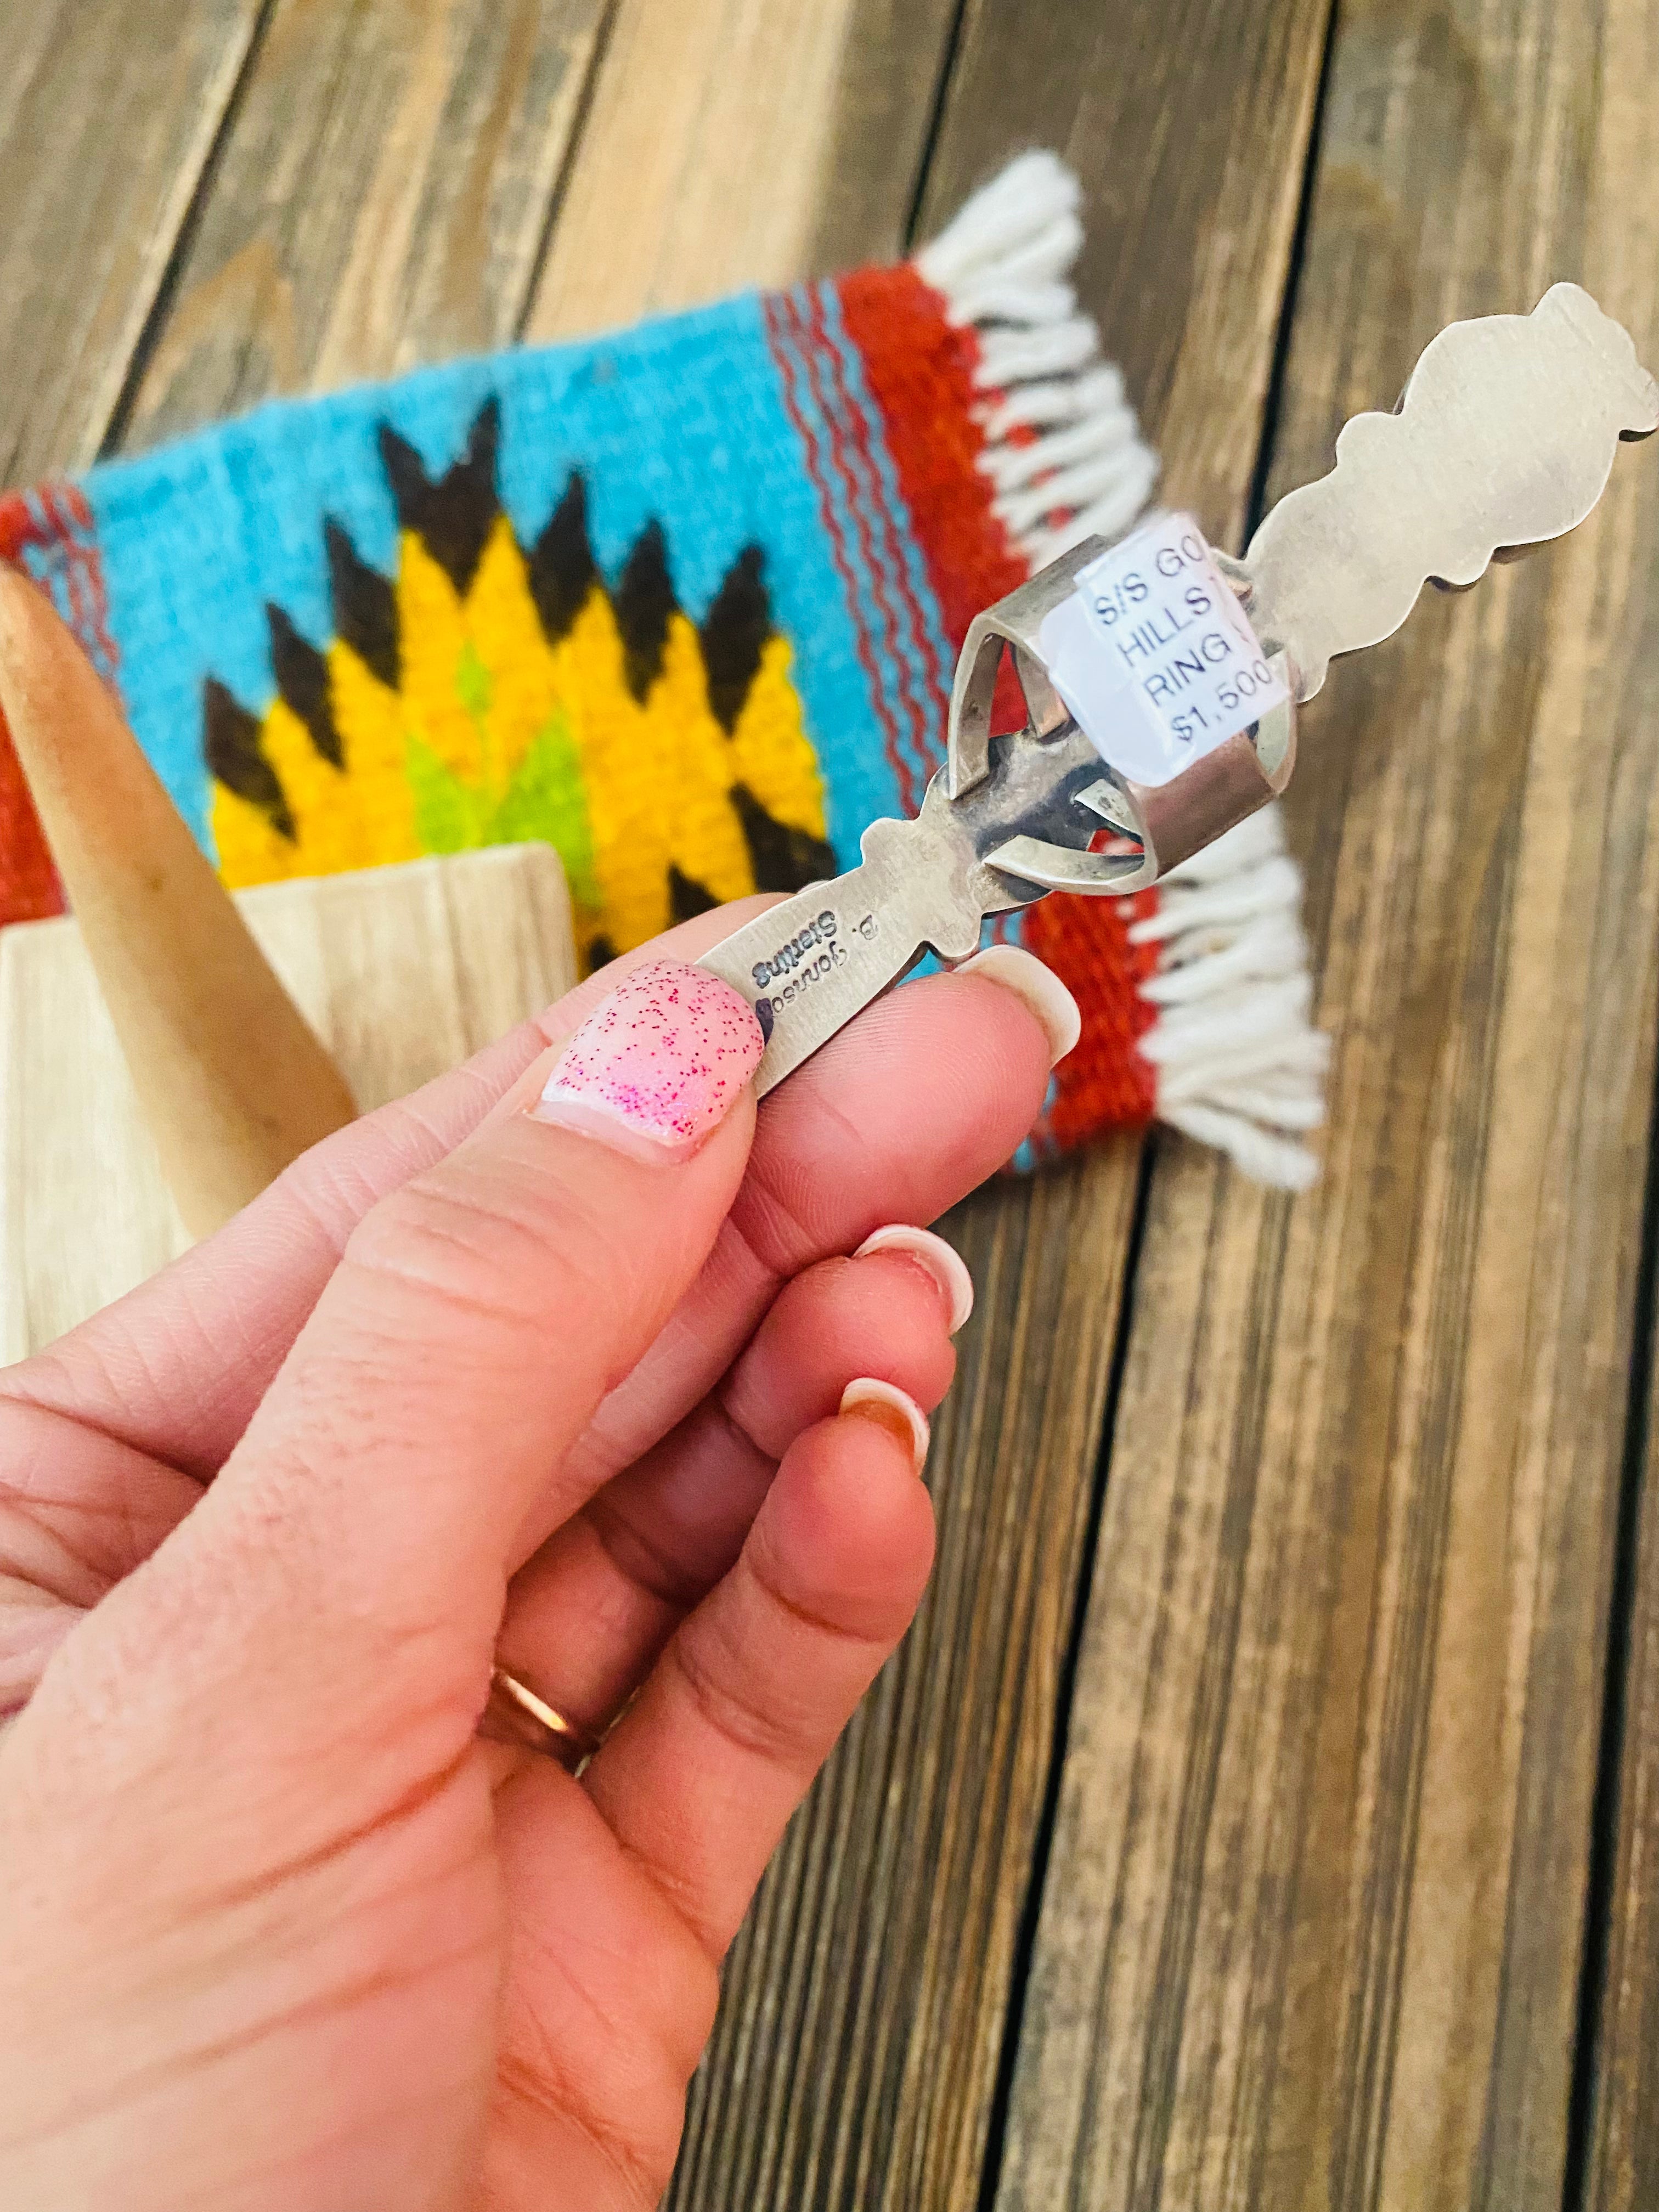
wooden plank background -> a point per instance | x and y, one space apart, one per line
1312 1927
1618 2155
740 141
1613 2152
1298 1921
382 199
108 117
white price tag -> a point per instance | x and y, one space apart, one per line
1154 655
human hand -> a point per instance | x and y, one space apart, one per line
277 1930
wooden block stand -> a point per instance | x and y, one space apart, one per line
401 972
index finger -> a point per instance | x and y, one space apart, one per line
928 1093
177 1366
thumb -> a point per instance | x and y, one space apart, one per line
357 1543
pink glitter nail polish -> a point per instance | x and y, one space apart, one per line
659 1064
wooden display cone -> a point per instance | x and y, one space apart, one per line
233 1082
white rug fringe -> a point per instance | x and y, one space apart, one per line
1238 1063
1063 447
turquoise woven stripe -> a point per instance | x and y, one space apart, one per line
682 421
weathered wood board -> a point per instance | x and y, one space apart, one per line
1618 2076
382 199
1311 1928
108 117
739 141
1620 2111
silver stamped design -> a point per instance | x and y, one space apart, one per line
1504 438
808 965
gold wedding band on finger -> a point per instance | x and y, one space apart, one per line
516 1714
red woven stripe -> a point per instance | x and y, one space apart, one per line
921 372
73 530
1105 1081
920 369
29 888
791 347
884 560
821 368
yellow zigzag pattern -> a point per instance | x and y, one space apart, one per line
627 789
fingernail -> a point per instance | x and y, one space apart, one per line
945 1265
890 1408
657 1065
1024 975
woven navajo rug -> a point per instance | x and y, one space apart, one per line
684 601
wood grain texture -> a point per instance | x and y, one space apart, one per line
1186 119
856 2053
1622 2150
740 141
1310 1935
381 200
402 971
856 2060
1622 2164
107 117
